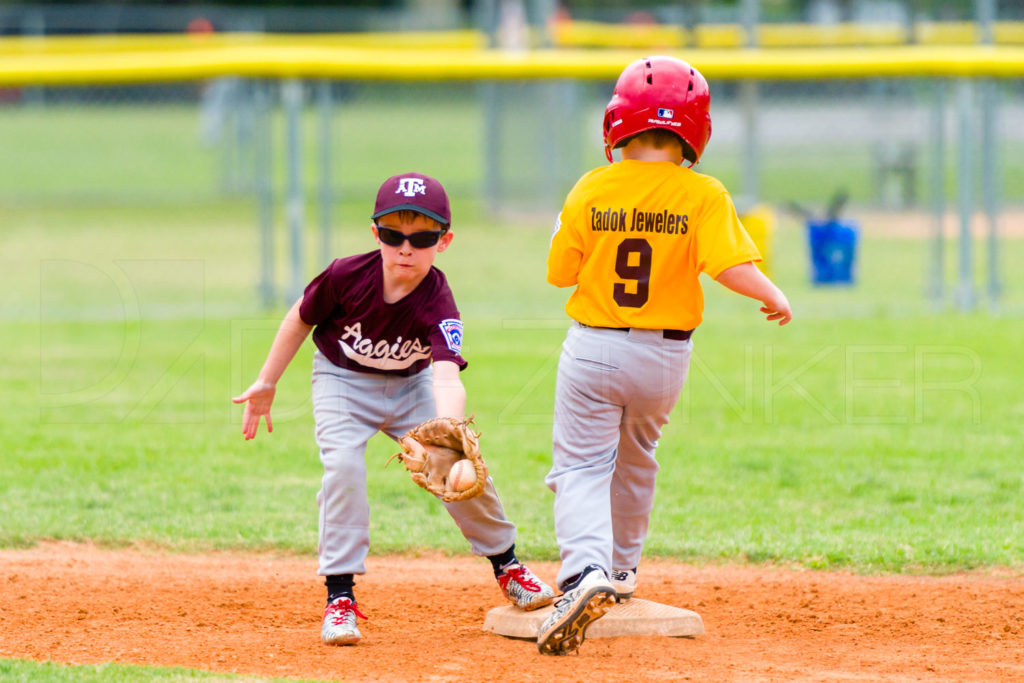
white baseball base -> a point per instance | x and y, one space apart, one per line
631 618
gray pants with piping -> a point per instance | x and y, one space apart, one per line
614 392
349 408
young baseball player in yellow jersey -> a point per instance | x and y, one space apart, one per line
633 238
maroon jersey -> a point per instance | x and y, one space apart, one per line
358 330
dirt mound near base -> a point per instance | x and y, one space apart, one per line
260 615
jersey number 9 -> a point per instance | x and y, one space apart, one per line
639 271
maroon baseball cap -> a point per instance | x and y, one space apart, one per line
413 192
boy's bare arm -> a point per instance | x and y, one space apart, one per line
259 397
449 394
747 280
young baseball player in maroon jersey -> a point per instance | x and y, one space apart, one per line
633 237
389 341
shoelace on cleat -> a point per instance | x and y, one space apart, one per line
521 575
339 610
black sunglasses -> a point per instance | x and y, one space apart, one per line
418 240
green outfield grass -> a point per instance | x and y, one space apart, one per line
873 433
14 671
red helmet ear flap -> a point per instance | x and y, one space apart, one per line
610 122
609 117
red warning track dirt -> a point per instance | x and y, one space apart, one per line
260 615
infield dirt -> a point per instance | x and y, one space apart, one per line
260 615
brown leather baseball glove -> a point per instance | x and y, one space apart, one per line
431 449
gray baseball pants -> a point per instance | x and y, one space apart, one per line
349 408
614 392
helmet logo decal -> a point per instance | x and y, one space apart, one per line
663 122
664 113
411 187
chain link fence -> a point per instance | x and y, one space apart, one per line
298 163
509 150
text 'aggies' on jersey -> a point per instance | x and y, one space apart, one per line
634 238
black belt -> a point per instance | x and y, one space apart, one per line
677 335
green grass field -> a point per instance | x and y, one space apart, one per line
871 433
14 671
875 433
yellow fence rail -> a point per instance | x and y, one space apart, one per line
596 34
109 43
280 58
566 34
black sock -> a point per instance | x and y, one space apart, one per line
340 586
502 560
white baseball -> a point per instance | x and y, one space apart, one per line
462 475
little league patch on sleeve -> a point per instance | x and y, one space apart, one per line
451 328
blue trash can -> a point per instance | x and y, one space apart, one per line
833 247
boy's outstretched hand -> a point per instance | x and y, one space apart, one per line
748 280
777 308
257 399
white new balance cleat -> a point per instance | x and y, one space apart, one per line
563 632
523 589
624 581
339 626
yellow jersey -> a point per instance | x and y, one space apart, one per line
634 237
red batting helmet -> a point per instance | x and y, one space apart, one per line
660 92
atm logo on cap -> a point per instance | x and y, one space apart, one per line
411 187
666 113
